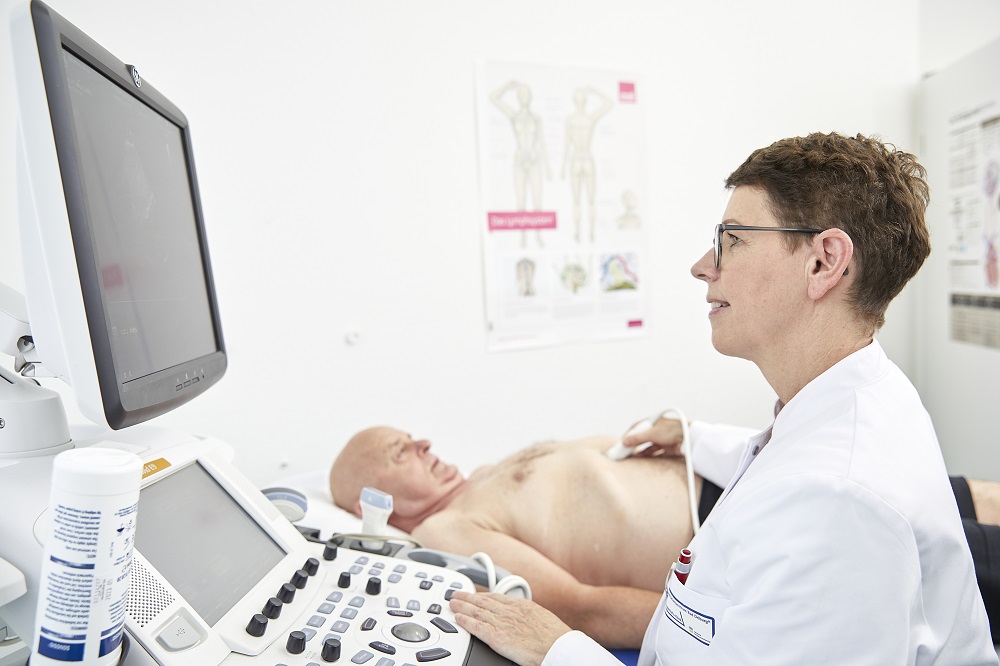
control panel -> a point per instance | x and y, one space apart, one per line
364 608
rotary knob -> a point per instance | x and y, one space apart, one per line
300 578
296 643
272 608
344 581
258 623
286 593
311 566
330 551
374 585
331 649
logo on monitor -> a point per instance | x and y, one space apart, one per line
135 76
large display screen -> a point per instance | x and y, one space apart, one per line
142 225
202 541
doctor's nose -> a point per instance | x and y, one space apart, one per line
704 268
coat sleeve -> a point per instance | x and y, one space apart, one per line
577 648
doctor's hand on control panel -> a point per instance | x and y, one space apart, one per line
523 631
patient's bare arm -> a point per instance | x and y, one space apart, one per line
986 500
614 616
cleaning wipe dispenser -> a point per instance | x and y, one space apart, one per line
84 584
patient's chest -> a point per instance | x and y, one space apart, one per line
607 522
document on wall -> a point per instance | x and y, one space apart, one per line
563 196
974 200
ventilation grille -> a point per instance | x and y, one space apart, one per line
146 597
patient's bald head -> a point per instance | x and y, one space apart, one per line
393 462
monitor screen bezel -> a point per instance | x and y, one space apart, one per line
138 400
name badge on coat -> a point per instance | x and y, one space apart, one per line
697 615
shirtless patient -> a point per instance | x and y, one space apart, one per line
580 528
583 530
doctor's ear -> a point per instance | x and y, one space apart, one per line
829 260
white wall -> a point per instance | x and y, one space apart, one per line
956 379
336 148
950 31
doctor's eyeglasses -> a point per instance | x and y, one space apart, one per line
722 228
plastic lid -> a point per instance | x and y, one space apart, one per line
97 471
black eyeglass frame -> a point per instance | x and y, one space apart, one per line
722 228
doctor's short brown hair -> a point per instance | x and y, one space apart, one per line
871 190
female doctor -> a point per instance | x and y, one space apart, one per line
838 540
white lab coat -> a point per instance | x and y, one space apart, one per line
837 541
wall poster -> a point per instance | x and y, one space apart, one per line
563 188
974 212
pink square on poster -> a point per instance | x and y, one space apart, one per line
626 92
506 221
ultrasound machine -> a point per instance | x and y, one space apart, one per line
119 303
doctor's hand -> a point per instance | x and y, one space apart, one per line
518 629
665 438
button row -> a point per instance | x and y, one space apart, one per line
286 593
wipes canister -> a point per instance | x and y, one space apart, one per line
83 589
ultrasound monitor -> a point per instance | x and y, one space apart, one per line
118 282
193 531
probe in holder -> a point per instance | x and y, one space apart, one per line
376 507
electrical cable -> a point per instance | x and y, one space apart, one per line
376 537
619 452
506 584
688 463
